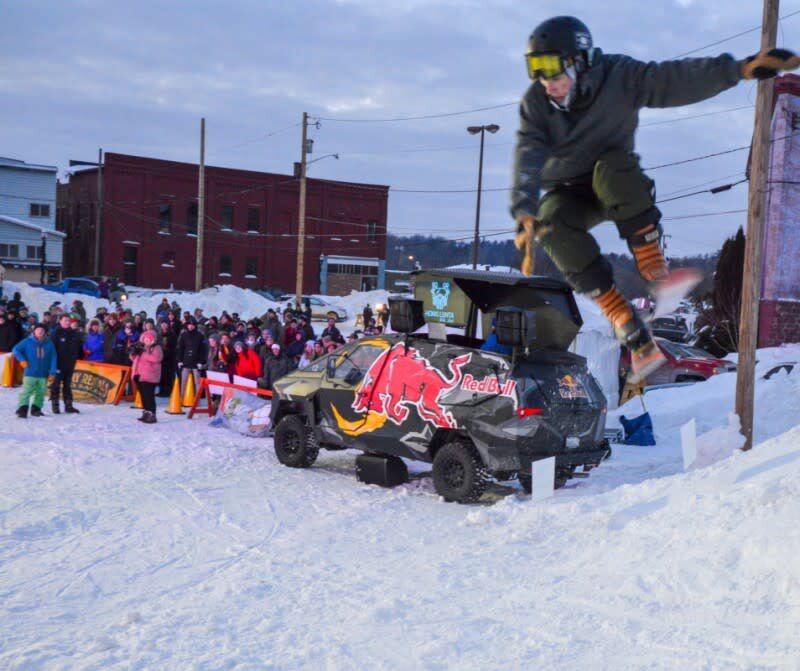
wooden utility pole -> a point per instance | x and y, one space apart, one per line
301 216
98 212
753 253
201 208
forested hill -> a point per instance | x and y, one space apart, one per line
435 252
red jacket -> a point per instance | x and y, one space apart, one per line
248 364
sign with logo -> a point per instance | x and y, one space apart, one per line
442 301
570 387
94 382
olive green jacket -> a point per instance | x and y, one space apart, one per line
557 147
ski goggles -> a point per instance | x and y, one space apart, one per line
546 66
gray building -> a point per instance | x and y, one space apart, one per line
30 245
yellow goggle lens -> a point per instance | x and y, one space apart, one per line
544 65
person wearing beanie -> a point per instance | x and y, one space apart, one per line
275 367
146 356
93 343
307 356
37 355
247 362
69 348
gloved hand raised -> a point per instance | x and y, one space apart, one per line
767 64
523 241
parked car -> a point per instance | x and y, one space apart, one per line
475 414
671 327
684 364
73 285
271 293
320 308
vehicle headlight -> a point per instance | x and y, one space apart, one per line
123 297
720 369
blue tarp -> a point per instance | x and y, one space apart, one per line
639 430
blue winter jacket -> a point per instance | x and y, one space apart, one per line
93 347
41 356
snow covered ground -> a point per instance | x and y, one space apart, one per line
183 546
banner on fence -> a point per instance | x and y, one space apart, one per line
94 382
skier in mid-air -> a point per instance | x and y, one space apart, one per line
575 143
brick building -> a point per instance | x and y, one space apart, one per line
779 310
148 233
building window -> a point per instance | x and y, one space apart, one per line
168 259
372 231
253 220
165 218
250 266
225 265
40 210
191 219
226 218
34 252
9 251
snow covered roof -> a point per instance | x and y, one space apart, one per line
19 222
6 162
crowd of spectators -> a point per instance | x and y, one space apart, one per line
159 347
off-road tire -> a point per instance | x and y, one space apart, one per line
458 472
295 445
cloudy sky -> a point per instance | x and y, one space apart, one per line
393 85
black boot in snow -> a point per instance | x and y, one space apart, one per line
22 412
36 411
56 409
149 418
71 409
143 418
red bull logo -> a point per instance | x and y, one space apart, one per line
397 381
491 385
569 387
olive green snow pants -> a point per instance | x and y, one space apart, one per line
620 192
34 387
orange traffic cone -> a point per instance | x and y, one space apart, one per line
189 392
137 398
174 405
8 371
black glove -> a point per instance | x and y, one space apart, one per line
767 64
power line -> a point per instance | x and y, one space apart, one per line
423 116
727 39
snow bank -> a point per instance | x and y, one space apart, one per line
178 545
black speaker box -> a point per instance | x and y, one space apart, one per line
376 469
406 315
515 327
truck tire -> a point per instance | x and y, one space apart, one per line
458 472
295 445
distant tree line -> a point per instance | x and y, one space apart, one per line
436 252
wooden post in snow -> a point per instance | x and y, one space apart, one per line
754 241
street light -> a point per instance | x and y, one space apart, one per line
474 130
99 209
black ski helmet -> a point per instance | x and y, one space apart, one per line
566 36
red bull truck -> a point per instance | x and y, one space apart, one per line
475 413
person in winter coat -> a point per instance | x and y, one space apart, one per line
304 326
274 325
575 143
295 350
332 332
275 367
247 362
69 348
14 330
120 351
37 355
93 343
190 353
221 358
9 333
169 344
308 355
112 327
15 303
146 372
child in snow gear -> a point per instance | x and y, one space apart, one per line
146 372
575 143
37 355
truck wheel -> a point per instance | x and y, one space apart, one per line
295 445
458 472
